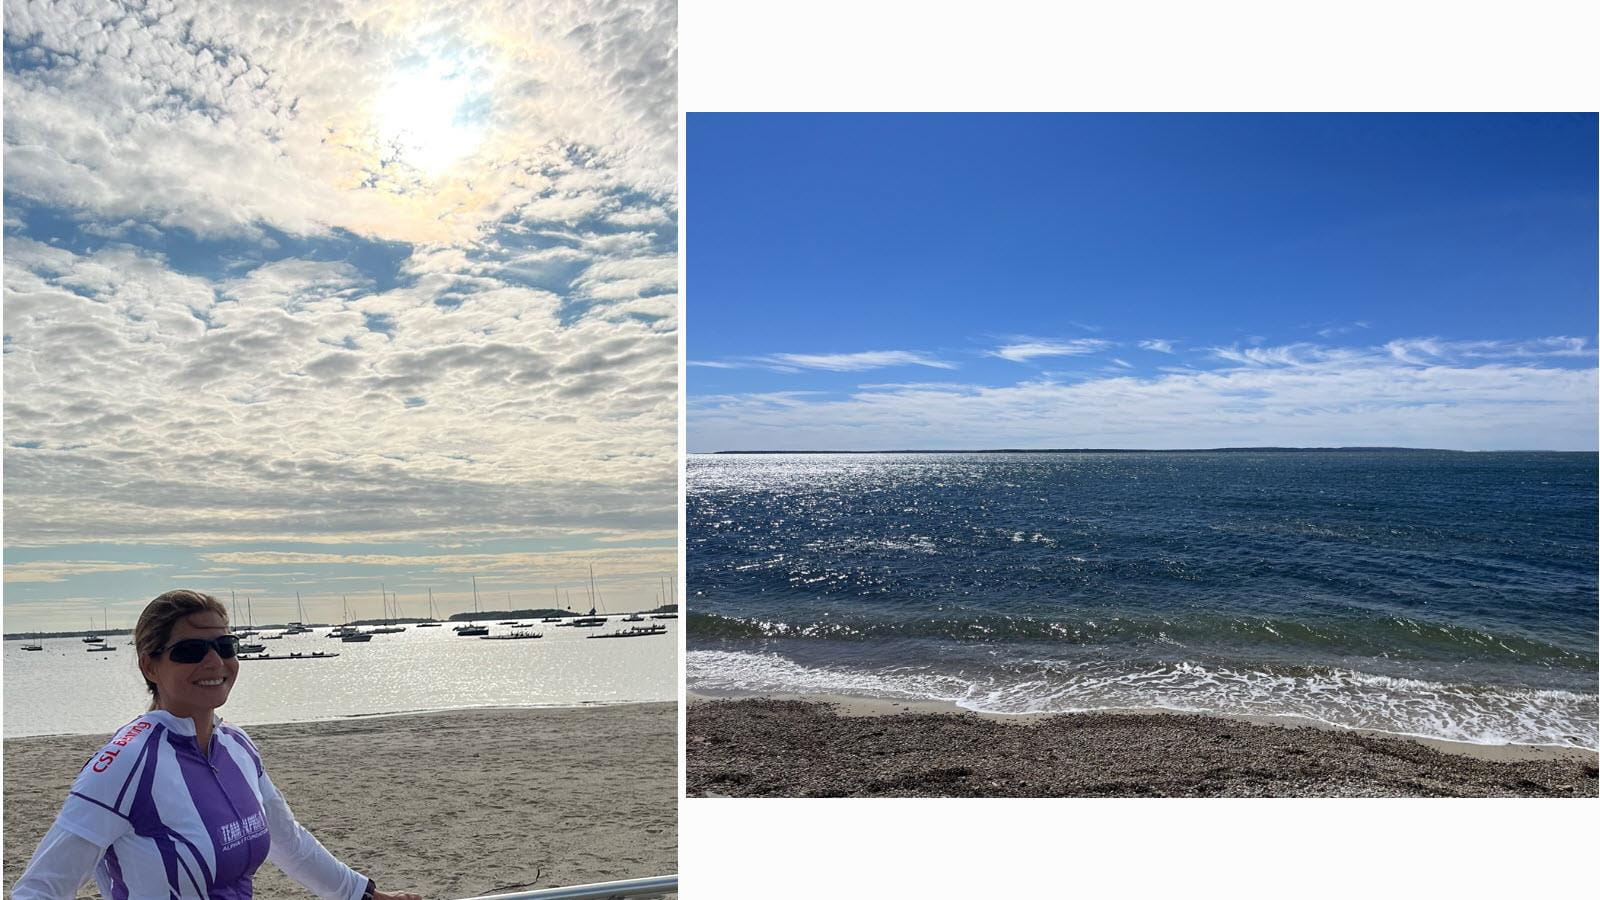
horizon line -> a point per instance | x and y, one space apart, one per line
1263 449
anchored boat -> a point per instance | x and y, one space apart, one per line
634 631
318 655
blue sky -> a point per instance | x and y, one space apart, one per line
323 299
948 281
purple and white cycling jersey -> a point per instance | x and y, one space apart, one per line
178 823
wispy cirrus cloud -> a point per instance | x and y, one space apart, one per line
1293 395
829 362
1335 329
1299 354
1022 351
859 362
1157 344
1432 351
1410 351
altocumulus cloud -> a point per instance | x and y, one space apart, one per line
1470 395
511 373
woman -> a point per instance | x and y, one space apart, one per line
177 803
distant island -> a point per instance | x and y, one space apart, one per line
1111 450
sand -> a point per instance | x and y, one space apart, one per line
448 804
809 748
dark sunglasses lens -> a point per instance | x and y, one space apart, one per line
194 649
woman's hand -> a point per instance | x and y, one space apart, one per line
397 895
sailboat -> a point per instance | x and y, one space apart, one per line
557 589
92 638
472 629
390 628
35 645
250 618
591 620
296 627
672 596
233 613
98 645
349 634
431 613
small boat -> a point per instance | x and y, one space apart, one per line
252 648
665 616
633 618
472 630
388 629
272 637
318 655
508 622
35 645
634 631
355 637
92 639
101 648
584 622
519 635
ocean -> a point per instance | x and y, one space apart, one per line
64 689
1437 594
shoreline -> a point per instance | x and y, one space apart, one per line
830 747
851 705
453 803
359 716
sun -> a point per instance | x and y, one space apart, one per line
430 116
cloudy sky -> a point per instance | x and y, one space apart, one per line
317 295
1124 281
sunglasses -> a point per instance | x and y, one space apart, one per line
192 650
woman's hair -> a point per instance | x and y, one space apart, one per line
154 630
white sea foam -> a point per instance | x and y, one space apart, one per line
1341 697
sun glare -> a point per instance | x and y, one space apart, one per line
430 117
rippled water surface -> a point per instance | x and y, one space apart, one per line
1445 594
64 689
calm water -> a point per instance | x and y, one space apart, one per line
65 690
1442 594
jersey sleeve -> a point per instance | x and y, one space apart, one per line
59 866
100 803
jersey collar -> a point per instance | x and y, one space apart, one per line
179 724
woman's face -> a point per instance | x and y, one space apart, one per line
192 689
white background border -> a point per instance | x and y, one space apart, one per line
1157 56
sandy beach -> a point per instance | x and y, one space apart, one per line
448 804
838 747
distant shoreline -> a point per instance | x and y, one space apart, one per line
1117 450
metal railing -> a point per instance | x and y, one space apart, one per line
658 886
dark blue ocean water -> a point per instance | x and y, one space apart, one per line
1442 594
